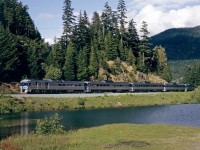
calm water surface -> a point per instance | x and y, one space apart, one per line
185 115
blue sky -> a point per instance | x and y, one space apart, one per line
159 14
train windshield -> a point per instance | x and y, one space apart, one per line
24 84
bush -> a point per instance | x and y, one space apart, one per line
49 126
196 94
81 103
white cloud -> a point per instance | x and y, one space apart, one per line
50 38
45 16
165 14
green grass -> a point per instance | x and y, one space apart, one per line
114 137
11 105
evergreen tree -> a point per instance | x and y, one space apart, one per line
69 66
192 75
68 21
37 53
9 62
93 64
96 24
106 19
56 56
2 14
111 51
81 34
52 56
85 19
122 16
15 18
131 59
82 67
132 38
122 51
161 61
144 48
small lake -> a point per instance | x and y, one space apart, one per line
184 115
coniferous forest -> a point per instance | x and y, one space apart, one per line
85 50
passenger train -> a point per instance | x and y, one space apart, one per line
61 86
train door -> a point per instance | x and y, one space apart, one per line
46 85
37 86
164 88
186 88
87 88
131 87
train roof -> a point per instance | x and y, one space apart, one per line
49 81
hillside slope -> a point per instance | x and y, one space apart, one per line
180 43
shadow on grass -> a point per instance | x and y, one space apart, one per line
128 143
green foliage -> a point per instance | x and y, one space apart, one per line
81 103
132 37
49 126
111 50
37 53
69 66
93 64
122 51
68 21
122 15
179 68
9 59
82 71
196 94
9 104
53 72
192 74
16 20
161 63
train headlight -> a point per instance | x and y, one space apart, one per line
24 87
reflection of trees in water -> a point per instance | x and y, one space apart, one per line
24 124
12 127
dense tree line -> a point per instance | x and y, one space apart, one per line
22 51
84 48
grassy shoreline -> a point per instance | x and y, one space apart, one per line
10 104
115 136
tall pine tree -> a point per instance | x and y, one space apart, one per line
68 21
122 16
69 66
132 38
161 61
144 48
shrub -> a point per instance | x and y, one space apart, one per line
196 94
49 126
81 103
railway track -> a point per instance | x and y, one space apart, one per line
72 95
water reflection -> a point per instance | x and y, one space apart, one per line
186 115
